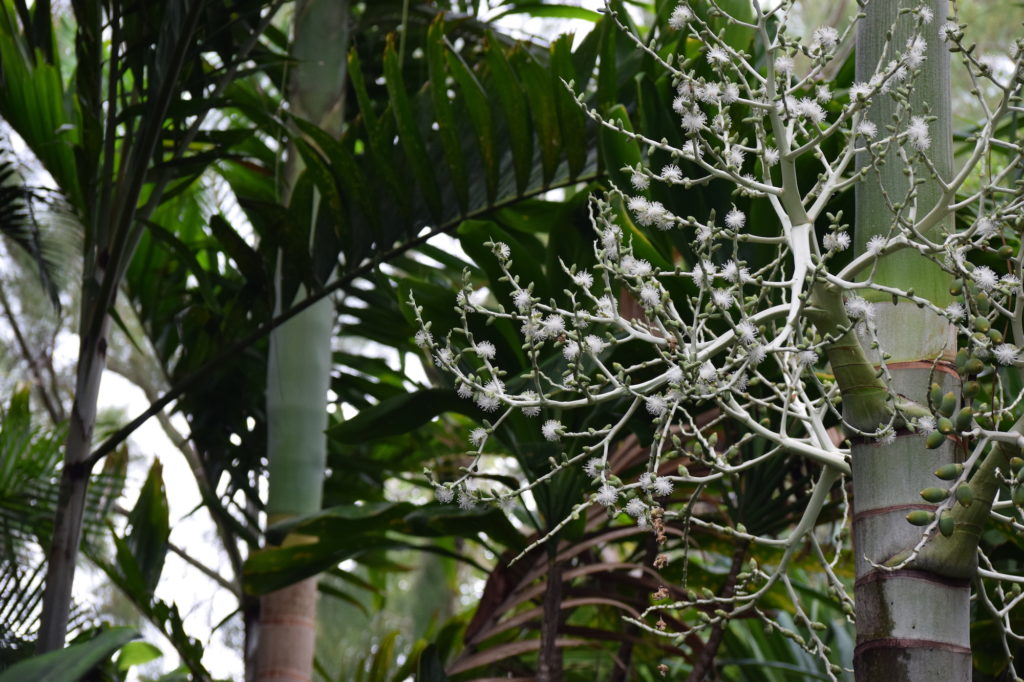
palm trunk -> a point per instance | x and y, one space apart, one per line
67 531
912 624
299 363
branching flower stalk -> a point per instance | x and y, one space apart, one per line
783 348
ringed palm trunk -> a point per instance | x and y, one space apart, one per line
912 624
299 362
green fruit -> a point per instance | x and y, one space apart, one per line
948 472
920 517
974 365
971 389
957 287
945 426
935 394
934 494
1005 251
982 302
946 523
962 356
1018 496
963 419
982 324
964 494
948 404
995 335
1015 464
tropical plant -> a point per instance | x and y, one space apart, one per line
763 321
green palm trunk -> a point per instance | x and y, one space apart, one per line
299 362
912 624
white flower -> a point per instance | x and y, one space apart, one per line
956 311
502 250
611 237
949 31
636 267
571 350
859 309
707 371
423 338
1005 353
926 14
735 157
876 245
1009 279
886 437
594 343
735 219
807 358
488 402
671 173
770 156
916 48
823 94
444 494
478 436
530 410
717 55
662 486
825 37
693 121
552 430
917 133
731 93
606 495
722 298
593 467
464 391
495 386
583 279
747 331
605 306
734 272
836 241
984 277
444 356
681 16
867 129
674 375
926 424
639 180
553 325
986 228
784 64
810 109
521 299
657 405
636 508
650 295
466 501
646 480
709 93
485 349
757 353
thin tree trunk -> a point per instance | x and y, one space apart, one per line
299 363
67 531
912 625
549 664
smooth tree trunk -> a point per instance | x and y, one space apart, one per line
67 531
299 362
913 623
